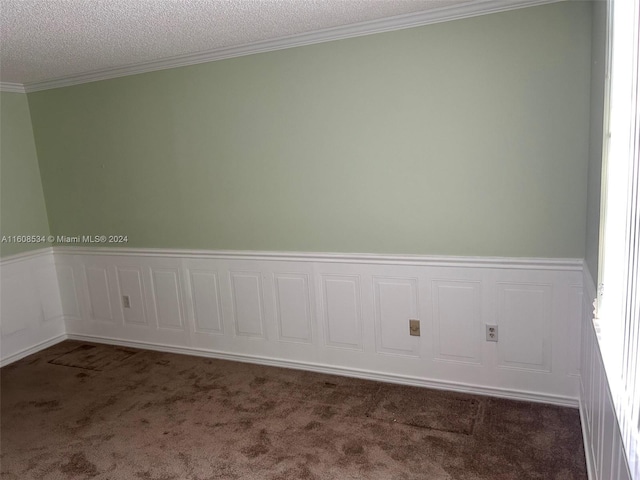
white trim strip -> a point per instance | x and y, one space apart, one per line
18 257
591 467
34 349
345 372
418 19
570 264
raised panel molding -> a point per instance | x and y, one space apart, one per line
342 311
24 310
524 323
205 291
457 328
48 291
167 298
248 306
98 288
595 391
574 326
395 302
130 284
293 307
68 291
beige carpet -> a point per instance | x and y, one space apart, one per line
80 411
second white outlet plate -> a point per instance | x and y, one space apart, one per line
492 333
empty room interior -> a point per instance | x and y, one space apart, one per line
363 239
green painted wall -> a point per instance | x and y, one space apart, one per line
598 64
22 207
465 138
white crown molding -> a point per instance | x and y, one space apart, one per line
12 87
566 264
456 12
333 370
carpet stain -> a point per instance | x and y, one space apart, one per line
353 448
325 412
312 425
46 404
79 465
258 381
300 471
149 476
255 450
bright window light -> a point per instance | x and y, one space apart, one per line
617 321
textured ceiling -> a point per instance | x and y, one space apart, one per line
48 39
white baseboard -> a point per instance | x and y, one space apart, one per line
591 466
318 368
341 371
33 349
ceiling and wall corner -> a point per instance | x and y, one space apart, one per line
58 43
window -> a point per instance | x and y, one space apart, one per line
619 277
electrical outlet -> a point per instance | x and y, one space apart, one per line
414 328
492 333
126 301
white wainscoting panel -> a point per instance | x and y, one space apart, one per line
207 309
167 295
396 302
524 326
606 458
31 310
130 285
342 311
293 307
68 288
574 326
248 305
47 290
345 314
456 321
17 316
99 296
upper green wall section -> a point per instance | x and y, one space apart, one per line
464 138
22 208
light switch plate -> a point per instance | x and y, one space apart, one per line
414 328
